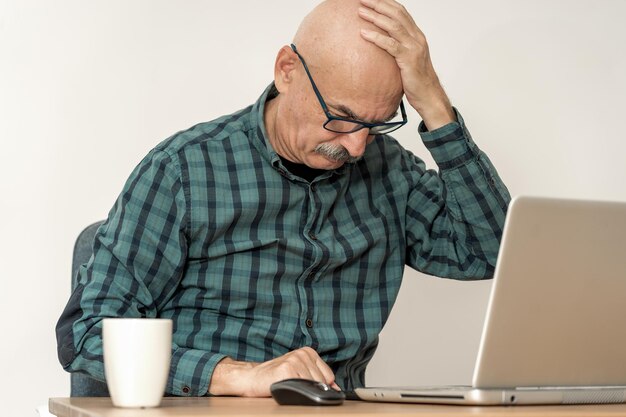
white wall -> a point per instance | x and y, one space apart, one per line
87 88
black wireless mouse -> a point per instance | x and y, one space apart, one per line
298 391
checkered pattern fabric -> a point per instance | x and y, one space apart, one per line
251 261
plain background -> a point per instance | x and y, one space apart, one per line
87 88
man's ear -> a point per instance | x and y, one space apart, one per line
286 61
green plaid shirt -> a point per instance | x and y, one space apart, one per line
251 262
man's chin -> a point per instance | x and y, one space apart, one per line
329 164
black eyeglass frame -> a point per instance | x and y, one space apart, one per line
392 126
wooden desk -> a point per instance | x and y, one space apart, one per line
249 407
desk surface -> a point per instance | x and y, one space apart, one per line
249 407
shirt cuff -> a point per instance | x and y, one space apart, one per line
451 145
191 371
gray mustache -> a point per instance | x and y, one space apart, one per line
336 153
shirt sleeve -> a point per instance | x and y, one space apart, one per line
455 217
138 262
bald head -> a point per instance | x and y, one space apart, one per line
356 80
329 38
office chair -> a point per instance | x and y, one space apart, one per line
83 385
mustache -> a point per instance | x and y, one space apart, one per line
336 153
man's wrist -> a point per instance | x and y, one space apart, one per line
436 111
229 377
435 119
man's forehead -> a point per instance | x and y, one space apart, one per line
367 94
353 114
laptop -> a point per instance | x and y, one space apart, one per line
555 328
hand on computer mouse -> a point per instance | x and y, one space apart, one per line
298 391
250 379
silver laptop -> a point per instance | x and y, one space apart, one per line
555 329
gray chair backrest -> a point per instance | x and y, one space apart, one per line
83 385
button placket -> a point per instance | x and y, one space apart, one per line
314 212
309 234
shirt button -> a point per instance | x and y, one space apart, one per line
313 187
309 323
186 390
312 236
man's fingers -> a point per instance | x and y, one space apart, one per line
386 7
391 26
389 44
328 375
402 34
393 11
318 368
300 363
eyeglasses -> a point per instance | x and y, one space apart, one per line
344 125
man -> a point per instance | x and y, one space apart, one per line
275 238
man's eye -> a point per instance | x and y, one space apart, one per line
344 116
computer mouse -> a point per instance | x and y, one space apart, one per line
297 391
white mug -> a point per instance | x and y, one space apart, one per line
137 353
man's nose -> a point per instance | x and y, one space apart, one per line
355 142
